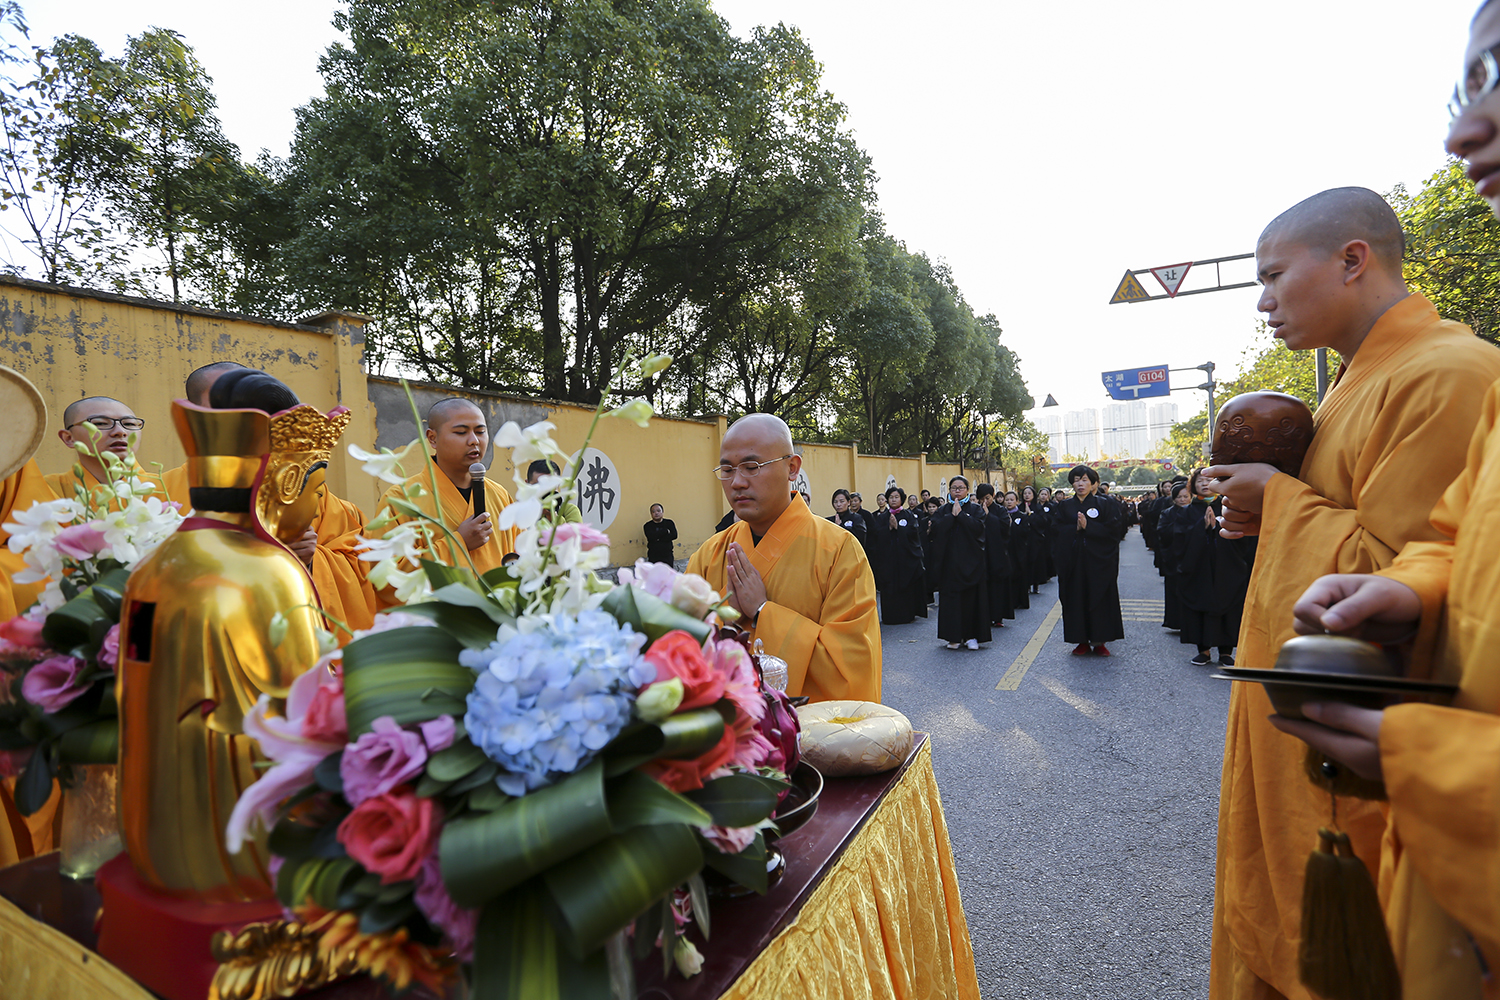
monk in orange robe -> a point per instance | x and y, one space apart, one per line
801 584
327 548
21 836
105 425
457 437
1405 401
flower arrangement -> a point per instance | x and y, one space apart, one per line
57 701
512 769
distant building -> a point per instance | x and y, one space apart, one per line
1129 429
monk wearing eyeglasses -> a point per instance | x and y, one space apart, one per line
801 584
104 426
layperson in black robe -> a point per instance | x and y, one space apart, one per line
1020 536
660 534
1150 511
963 572
1213 574
1037 538
1172 607
897 539
850 520
856 504
1045 500
1088 565
1172 528
996 555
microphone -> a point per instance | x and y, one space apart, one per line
476 481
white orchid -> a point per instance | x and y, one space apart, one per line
41 522
653 363
527 445
384 465
637 411
405 542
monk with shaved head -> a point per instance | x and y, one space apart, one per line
458 436
104 426
802 584
1401 410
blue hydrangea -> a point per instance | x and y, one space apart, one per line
547 701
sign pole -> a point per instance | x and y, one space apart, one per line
1322 370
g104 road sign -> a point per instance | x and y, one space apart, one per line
1137 383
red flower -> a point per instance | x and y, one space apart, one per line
22 631
686 775
677 654
391 834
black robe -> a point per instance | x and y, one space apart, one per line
1211 576
853 522
1148 512
1088 569
1020 537
902 575
962 573
659 538
997 558
1169 525
1037 540
1049 535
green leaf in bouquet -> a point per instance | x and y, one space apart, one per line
652 616
380 917
469 626
738 799
411 674
517 957
69 627
13 736
603 889
698 892
678 737
396 890
428 786
487 798
481 776
499 577
327 773
748 867
620 603
464 595
647 926
440 575
293 840
96 742
485 855
457 761
637 800
34 787
323 880
668 919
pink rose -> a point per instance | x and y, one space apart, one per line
325 720
442 912
22 631
81 541
391 834
53 683
587 536
677 654
656 579
380 760
109 650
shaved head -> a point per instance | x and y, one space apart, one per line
445 410
1330 220
86 407
765 427
202 380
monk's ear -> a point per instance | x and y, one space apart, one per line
66 437
793 466
431 439
1356 258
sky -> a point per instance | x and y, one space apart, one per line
1041 149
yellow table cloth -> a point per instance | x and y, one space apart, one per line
886 923
41 963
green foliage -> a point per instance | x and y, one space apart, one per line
1453 248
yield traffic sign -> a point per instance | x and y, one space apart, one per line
1171 276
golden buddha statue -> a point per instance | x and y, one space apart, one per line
196 652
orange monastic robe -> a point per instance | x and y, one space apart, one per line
1395 424
341 579
455 510
65 484
820 615
1440 875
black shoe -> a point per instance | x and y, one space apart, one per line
1201 660
1226 660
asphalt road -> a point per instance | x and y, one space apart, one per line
1081 800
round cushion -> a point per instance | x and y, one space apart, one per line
853 737
26 420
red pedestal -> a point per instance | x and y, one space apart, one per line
161 941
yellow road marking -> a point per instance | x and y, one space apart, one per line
1017 671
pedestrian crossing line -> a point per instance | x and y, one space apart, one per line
1017 670
1140 618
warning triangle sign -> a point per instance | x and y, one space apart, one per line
1130 290
1171 277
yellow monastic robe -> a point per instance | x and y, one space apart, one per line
1440 875
820 616
21 836
65 484
455 511
1393 427
341 579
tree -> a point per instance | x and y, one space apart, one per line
1453 248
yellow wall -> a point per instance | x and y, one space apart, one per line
76 342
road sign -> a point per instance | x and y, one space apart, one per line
1130 290
1137 383
1171 277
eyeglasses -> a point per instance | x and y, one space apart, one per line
106 424
747 469
1481 78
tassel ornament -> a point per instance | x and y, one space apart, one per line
1345 952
